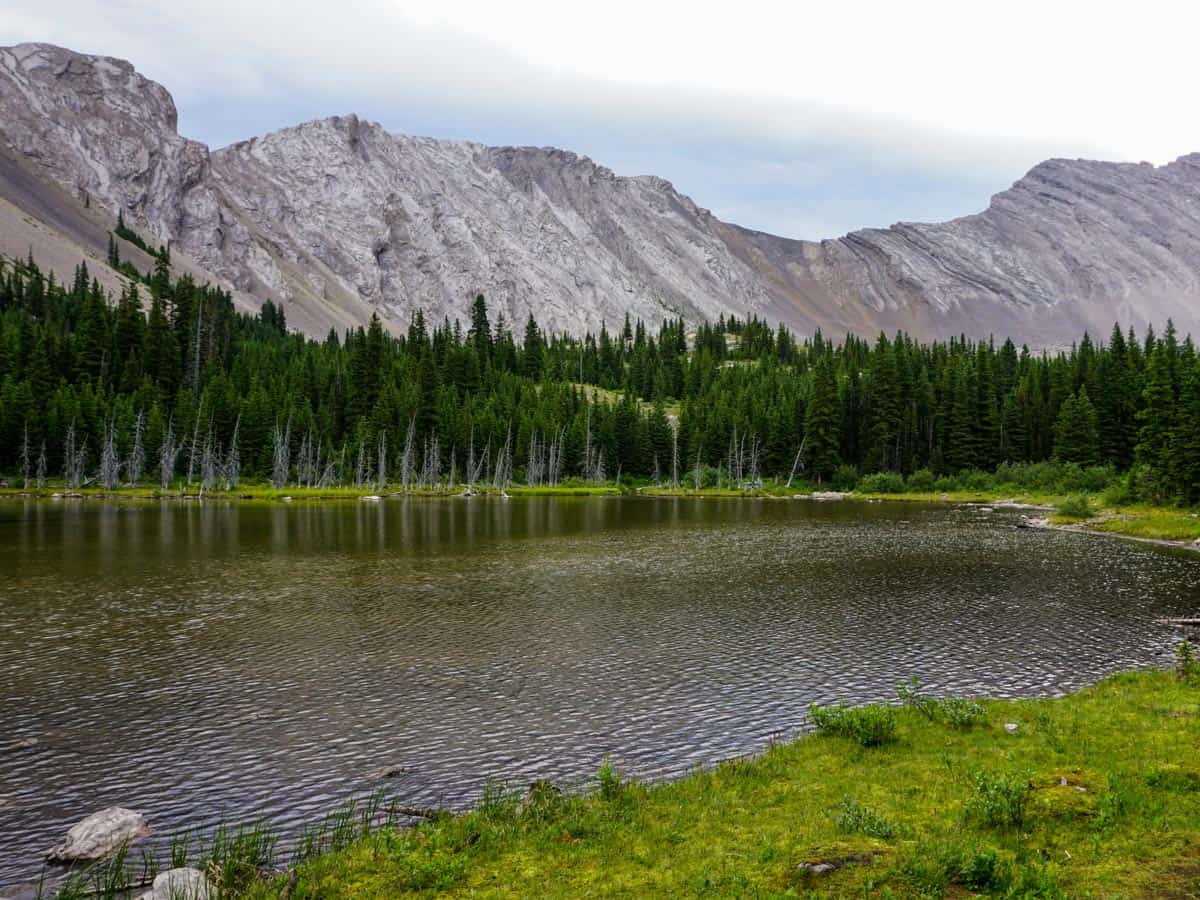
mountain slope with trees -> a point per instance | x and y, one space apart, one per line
169 382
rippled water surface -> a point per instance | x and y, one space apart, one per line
199 662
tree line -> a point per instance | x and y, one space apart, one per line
168 382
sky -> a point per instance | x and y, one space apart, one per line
803 119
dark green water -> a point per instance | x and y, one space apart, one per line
194 662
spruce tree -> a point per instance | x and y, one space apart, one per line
1076 433
821 423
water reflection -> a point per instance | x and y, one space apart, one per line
197 660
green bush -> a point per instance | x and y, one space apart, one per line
954 711
844 478
960 713
856 819
921 481
870 726
612 785
910 694
1186 663
1077 506
946 484
977 480
999 801
1120 492
881 483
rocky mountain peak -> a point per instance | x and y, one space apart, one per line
339 219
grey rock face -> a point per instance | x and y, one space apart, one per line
340 219
99 835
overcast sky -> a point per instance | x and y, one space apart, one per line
804 119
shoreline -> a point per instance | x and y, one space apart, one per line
1103 773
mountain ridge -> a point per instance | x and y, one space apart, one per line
339 218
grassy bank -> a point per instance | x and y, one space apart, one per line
1095 794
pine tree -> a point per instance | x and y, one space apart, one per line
1076 433
1157 420
821 423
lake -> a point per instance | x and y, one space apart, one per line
199 662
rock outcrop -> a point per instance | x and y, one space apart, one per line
340 219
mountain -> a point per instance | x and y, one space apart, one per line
339 218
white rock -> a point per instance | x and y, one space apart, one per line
179 884
99 835
371 498
1010 727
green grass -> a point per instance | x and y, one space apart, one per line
1096 794
1154 522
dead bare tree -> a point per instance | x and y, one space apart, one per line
360 468
26 461
73 456
281 457
798 464
40 473
381 462
407 463
168 454
502 478
675 457
137 456
232 469
110 463
195 444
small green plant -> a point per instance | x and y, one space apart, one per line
612 785
870 726
1077 506
999 801
910 694
954 711
1187 666
235 857
856 819
960 713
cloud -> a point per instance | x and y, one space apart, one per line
804 120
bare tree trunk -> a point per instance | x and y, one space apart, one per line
137 456
167 455
798 465
110 464
26 461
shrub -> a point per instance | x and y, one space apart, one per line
954 711
960 713
921 481
881 483
977 480
999 801
870 726
910 694
1077 506
946 484
612 786
1120 492
844 478
1186 664
857 819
